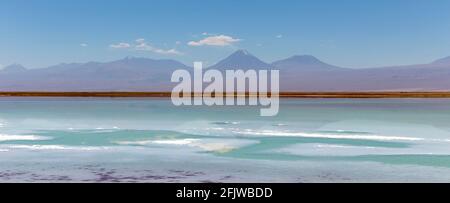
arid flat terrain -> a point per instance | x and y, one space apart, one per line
281 94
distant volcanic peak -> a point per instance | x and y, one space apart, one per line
306 58
131 59
302 59
445 60
242 56
241 59
142 62
143 59
242 52
303 62
14 68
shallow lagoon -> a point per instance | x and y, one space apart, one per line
150 140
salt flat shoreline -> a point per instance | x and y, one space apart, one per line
281 94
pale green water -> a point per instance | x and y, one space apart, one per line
150 140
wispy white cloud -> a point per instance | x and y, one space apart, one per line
168 51
142 45
83 44
217 40
121 45
140 41
279 36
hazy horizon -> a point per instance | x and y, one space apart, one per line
207 64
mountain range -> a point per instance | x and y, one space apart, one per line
297 73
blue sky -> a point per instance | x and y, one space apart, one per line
349 33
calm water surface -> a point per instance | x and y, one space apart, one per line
150 140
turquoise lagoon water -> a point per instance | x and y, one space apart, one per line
150 140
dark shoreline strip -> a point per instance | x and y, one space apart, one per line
281 94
